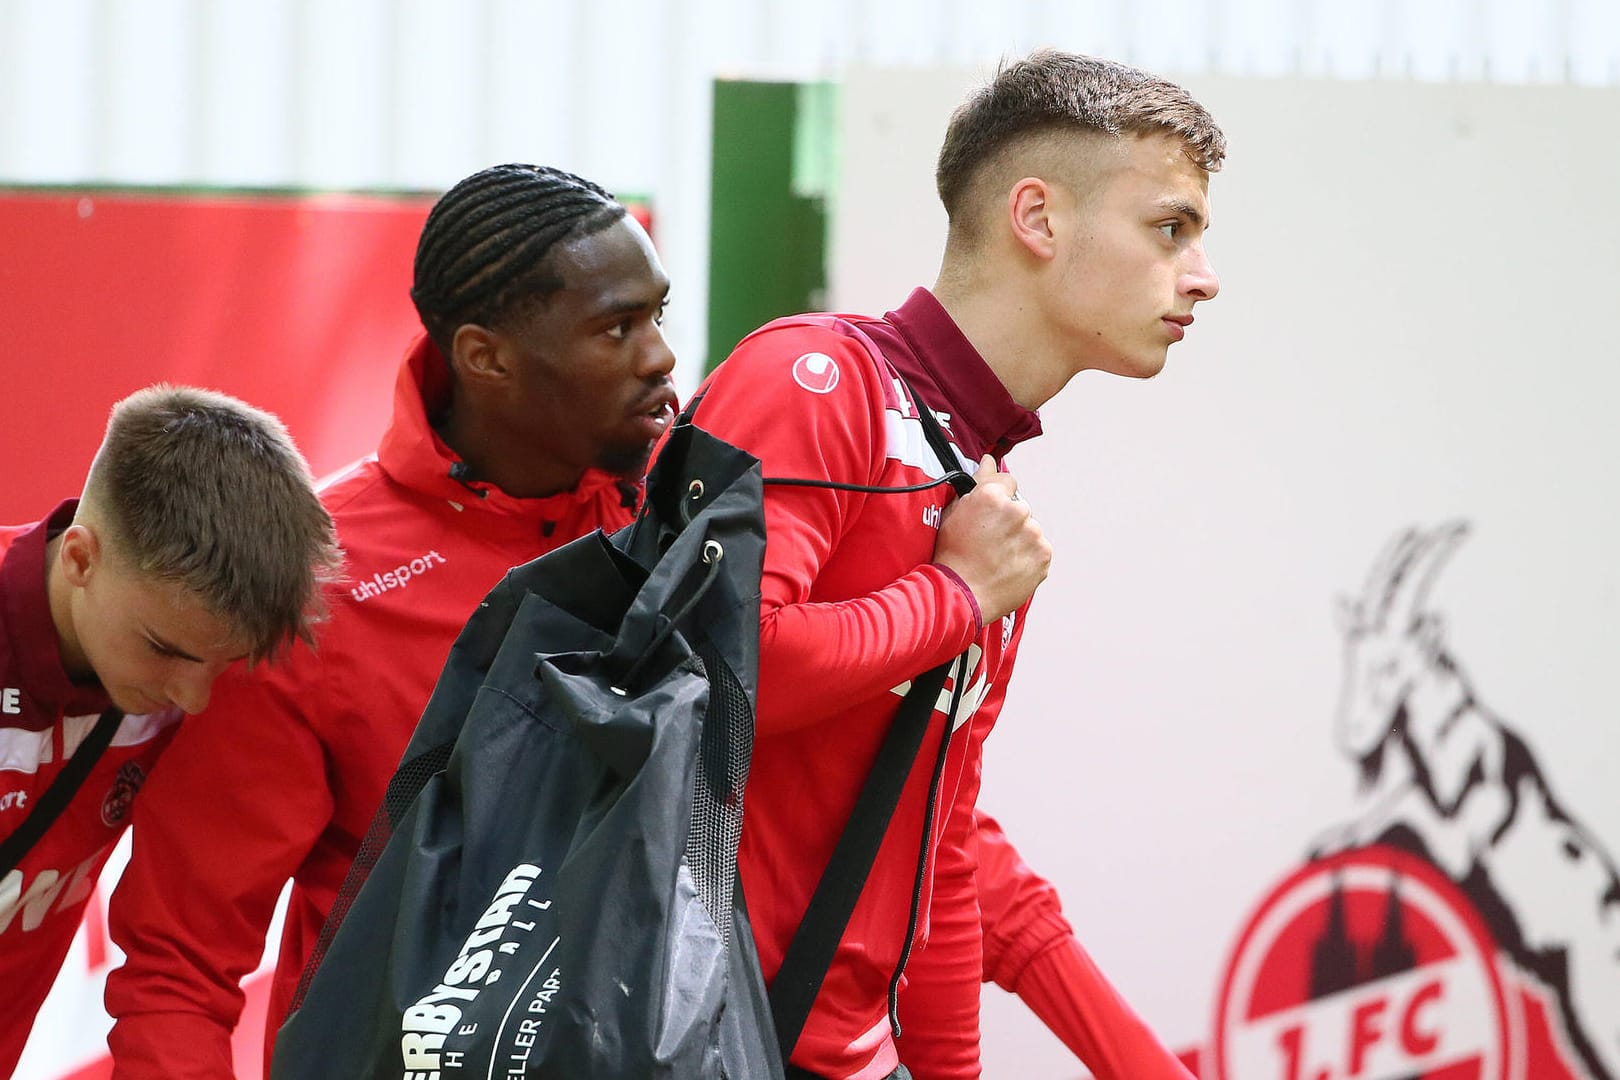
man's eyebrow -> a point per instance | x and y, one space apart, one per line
171 648
629 305
1186 210
174 650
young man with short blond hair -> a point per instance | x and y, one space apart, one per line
198 542
1077 191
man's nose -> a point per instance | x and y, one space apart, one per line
1200 281
660 359
191 689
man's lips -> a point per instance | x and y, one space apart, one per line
657 409
1178 325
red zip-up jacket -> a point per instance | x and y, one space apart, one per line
853 608
1030 950
282 775
44 717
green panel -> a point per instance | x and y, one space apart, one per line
768 216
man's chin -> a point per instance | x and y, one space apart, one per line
134 703
628 462
1143 367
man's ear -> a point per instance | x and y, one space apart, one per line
476 354
80 554
1029 213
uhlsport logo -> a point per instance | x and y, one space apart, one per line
397 578
1462 923
816 372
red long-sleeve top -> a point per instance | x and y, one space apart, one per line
853 608
44 719
1030 950
281 776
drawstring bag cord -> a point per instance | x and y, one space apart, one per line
927 835
713 552
962 483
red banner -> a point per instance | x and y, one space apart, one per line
298 304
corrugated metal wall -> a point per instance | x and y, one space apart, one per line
417 93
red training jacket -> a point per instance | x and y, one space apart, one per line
281 776
853 608
44 718
1031 950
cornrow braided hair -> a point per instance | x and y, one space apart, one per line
483 250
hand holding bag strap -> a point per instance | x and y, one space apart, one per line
809 954
49 806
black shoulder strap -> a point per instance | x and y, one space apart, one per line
50 805
797 982
961 481
809 954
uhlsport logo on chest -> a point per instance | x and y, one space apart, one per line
398 577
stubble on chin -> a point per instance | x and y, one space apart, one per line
627 462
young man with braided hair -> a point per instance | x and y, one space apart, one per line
1077 196
198 542
523 418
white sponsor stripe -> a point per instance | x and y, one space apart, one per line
978 689
25 751
906 443
136 730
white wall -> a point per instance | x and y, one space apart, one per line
1333 394
1415 324
418 93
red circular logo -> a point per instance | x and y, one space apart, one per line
120 796
816 372
1371 965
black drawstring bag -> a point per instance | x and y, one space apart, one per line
550 889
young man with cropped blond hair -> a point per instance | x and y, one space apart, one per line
198 542
1077 192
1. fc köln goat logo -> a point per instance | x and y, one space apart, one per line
1462 923
1367 964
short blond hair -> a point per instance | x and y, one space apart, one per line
198 488
1051 92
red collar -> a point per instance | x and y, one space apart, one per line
29 626
412 453
924 343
